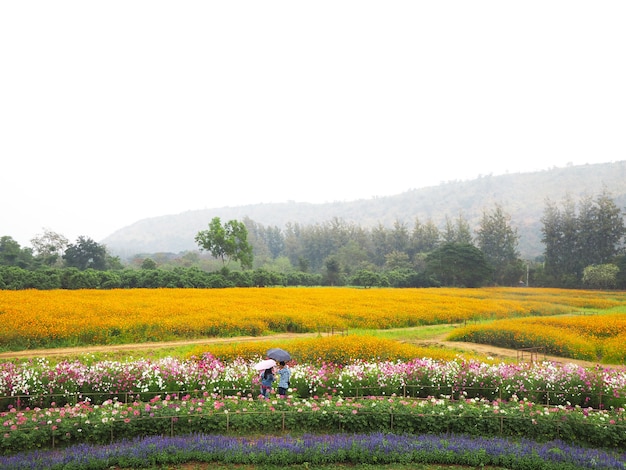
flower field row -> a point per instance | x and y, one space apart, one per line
38 383
113 420
316 449
65 318
337 349
586 337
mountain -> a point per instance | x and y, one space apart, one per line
522 195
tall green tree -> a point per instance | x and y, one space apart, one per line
459 265
226 242
293 245
620 277
49 247
397 260
560 238
586 232
12 254
602 230
149 263
458 231
498 240
353 257
275 241
380 244
601 276
257 239
424 237
573 240
316 245
333 270
85 254
365 278
399 237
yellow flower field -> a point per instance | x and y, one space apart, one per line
33 318
588 337
338 349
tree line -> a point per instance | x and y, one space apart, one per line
584 247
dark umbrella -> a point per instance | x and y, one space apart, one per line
278 354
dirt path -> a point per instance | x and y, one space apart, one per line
501 353
30 353
438 341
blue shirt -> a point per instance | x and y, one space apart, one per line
285 374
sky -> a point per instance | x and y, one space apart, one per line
116 111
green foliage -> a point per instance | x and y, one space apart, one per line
262 278
333 271
339 253
49 248
458 232
74 278
303 279
408 278
498 241
603 276
424 238
365 278
84 254
14 278
113 421
227 242
459 264
12 254
620 278
148 263
578 237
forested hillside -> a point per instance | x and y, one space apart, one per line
523 196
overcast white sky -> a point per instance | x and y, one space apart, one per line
115 111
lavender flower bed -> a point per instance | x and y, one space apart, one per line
322 449
37 383
245 415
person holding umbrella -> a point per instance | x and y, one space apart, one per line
283 382
284 373
267 376
267 379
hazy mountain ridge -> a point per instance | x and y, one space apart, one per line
522 195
